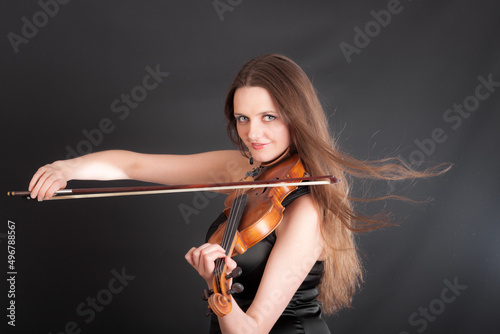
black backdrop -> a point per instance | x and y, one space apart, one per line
416 79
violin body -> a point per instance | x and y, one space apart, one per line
258 217
263 211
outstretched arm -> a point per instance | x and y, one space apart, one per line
215 166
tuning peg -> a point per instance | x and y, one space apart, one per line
235 273
208 312
235 288
205 294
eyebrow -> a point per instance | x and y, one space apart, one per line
259 114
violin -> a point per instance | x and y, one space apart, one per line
252 214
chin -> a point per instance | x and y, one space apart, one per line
263 158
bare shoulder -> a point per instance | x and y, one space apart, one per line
301 220
302 209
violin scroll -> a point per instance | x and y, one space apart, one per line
219 304
219 299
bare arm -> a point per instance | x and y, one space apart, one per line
215 166
298 246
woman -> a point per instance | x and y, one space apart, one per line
309 264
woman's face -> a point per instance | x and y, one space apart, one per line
259 125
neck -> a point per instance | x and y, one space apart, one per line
250 175
283 155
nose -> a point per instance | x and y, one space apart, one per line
255 130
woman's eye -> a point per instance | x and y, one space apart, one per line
269 118
241 119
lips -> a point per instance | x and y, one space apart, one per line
258 146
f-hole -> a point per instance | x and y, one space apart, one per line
264 189
257 193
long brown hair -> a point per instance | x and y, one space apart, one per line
296 100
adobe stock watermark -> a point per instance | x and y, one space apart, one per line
201 199
30 27
454 118
363 37
88 309
421 318
223 6
121 107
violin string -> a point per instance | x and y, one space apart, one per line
219 262
235 208
229 233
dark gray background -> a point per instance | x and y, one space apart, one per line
391 96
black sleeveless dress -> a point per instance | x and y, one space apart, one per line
303 313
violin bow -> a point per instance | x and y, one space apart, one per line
167 189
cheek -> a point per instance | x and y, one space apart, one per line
282 132
240 130
288 138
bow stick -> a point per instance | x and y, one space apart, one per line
166 189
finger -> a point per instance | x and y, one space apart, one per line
194 255
230 263
52 182
189 256
197 252
52 190
36 176
45 186
55 183
204 259
208 259
36 182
